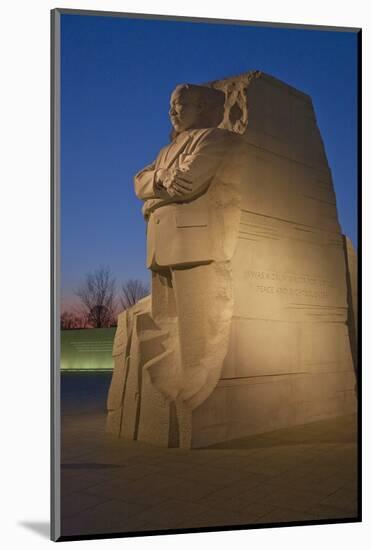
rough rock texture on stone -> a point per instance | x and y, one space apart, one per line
352 288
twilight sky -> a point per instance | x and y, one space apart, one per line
117 77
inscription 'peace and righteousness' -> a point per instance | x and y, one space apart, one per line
289 278
266 278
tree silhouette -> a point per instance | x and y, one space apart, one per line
132 291
97 296
71 320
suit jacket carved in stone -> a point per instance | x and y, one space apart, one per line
187 230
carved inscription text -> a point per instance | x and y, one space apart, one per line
273 282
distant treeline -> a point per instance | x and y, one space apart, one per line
100 300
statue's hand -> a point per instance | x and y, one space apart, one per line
176 184
179 187
160 176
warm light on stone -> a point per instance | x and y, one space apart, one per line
251 324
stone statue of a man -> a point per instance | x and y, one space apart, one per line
252 284
169 348
185 240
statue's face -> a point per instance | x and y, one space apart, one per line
184 111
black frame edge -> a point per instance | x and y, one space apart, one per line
55 467
359 268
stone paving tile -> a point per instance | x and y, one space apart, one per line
192 458
102 469
171 514
117 490
294 475
234 461
171 465
179 470
245 456
270 467
284 496
340 455
199 456
220 477
350 475
334 430
227 517
186 461
71 441
246 444
314 472
322 511
343 499
235 503
109 517
155 460
221 495
321 472
74 503
118 456
321 487
188 490
155 482
134 471
242 497
80 447
297 474
106 471
350 484
282 515
128 489
76 481
79 433
134 489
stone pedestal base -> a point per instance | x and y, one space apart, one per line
239 408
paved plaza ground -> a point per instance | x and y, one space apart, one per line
110 485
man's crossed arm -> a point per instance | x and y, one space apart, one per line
192 173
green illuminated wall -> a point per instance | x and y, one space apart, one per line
87 349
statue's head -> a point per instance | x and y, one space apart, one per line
194 107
